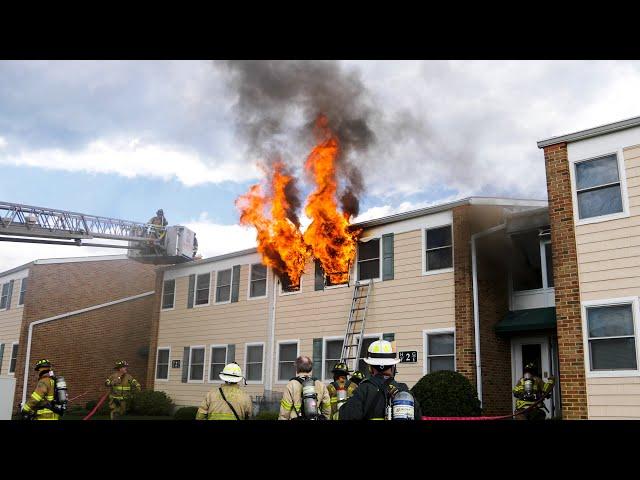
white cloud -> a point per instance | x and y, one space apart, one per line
131 158
3 142
217 239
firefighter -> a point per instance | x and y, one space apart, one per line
305 397
121 383
379 396
43 404
229 401
340 389
161 221
357 377
529 389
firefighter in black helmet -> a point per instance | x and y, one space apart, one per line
341 389
45 403
357 377
529 389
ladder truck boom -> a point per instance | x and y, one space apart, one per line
145 242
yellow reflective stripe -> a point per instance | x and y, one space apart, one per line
43 411
50 398
285 404
27 408
118 387
334 399
116 397
376 418
222 416
37 396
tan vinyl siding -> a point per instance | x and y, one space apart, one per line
10 322
611 398
407 305
215 324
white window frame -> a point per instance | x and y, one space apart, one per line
633 301
424 250
216 302
195 289
425 347
168 365
20 305
543 262
174 295
226 353
357 265
204 365
277 369
9 372
283 293
623 187
246 356
324 374
266 288
363 353
6 307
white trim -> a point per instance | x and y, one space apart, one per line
9 372
186 269
425 347
226 353
204 363
21 305
97 258
423 233
174 296
215 294
195 289
357 265
284 294
246 356
15 275
277 369
633 301
622 177
324 355
64 315
266 287
155 374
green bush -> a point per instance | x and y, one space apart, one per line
152 403
266 415
446 394
186 413
103 410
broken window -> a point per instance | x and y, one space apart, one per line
526 268
324 279
286 284
369 259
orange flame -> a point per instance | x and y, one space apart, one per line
279 240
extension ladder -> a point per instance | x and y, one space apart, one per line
353 336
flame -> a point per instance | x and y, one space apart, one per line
330 237
279 239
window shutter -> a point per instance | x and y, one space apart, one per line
185 365
192 286
231 353
235 284
387 256
389 337
1 355
10 293
319 276
317 357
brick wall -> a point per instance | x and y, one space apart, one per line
84 347
567 289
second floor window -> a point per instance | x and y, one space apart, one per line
168 293
23 290
598 187
223 286
369 259
202 289
439 251
258 286
612 342
4 296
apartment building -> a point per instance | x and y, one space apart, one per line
81 313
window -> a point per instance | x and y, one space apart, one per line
14 358
612 343
253 364
258 283
287 354
196 364
332 353
23 290
202 289
440 351
362 365
217 362
162 364
548 264
369 259
527 270
598 187
168 293
286 285
319 274
4 297
439 250
223 286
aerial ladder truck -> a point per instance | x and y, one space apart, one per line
147 243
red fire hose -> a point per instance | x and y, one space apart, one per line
98 405
501 417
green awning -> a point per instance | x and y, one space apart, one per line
527 320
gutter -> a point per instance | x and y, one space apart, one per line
271 339
58 317
476 311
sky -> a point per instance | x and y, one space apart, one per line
124 138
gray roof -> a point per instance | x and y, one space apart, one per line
591 132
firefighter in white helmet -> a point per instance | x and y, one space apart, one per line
229 401
380 397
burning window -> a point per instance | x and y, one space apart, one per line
439 251
369 259
325 280
286 285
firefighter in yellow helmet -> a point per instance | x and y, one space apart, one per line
121 383
49 400
529 389
340 389
229 401
357 377
304 397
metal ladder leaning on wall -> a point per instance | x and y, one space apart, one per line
354 333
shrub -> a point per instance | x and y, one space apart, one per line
446 394
267 415
103 410
150 402
186 413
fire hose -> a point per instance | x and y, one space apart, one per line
500 417
98 405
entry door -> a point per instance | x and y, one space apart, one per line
532 350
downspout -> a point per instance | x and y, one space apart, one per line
58 317
272 333
476 311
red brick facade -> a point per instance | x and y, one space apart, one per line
84 347
567 289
